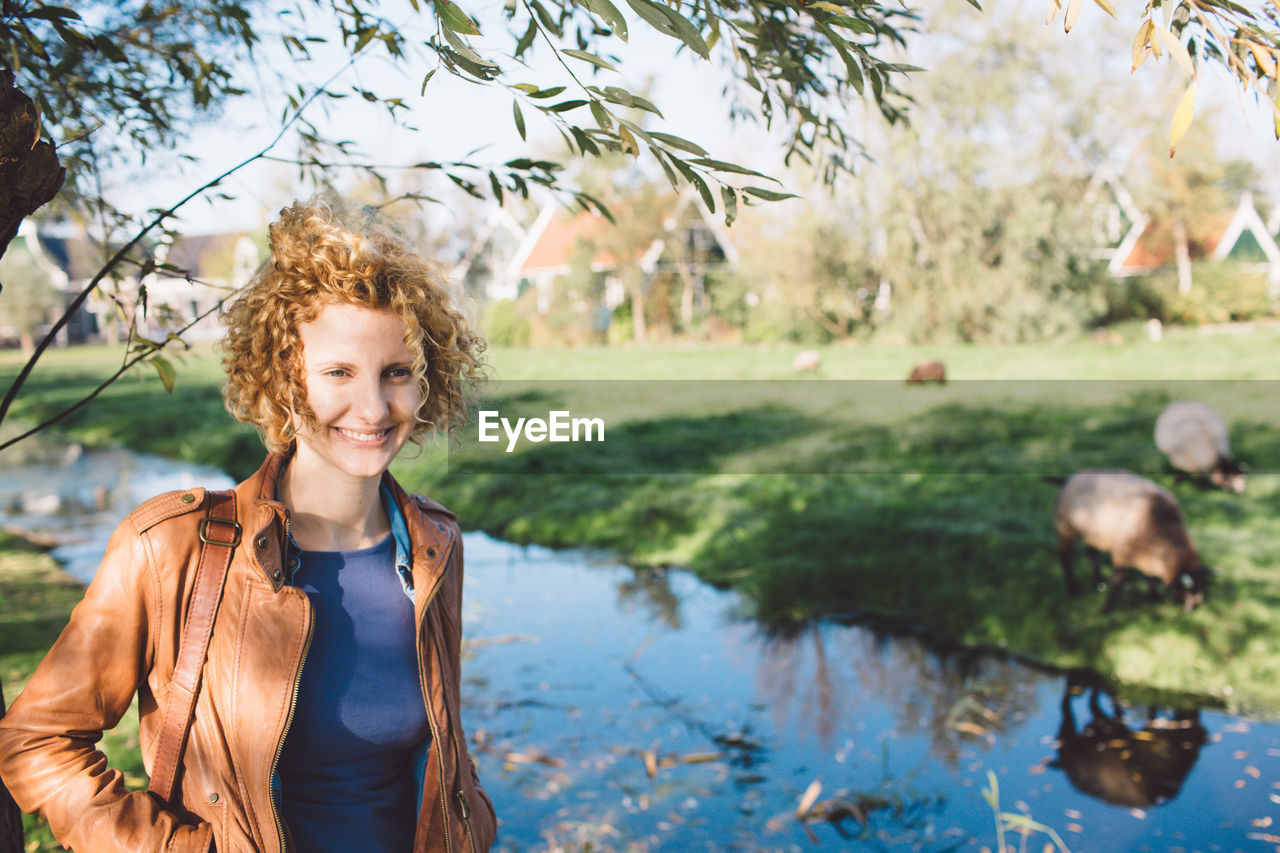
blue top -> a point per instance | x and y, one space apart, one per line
347 770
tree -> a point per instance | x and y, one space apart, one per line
30 297
116 80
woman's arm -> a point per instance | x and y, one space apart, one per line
84 685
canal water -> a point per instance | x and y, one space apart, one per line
638 710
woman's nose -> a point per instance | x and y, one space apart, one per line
372 403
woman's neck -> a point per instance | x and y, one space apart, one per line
330 512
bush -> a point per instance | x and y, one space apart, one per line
503 324
1220 293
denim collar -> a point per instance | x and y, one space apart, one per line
399 535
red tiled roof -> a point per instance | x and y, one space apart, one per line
1157 246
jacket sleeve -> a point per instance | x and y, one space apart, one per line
84 685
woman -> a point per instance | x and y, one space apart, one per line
327 715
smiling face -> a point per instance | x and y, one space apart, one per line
360 387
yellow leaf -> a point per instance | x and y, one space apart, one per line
829 7
1073 12
1176 49
629 145
1055 6
810 797
1182 116
1105 5
1276 110
1264 59
1142 44
651 763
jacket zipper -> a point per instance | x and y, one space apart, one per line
293 705
463 808
431 719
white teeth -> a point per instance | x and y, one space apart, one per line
361 436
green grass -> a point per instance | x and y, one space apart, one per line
924 508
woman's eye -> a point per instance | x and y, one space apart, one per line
399 372
336 373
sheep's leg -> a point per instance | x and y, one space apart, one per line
1154 587
1095 560
1066 555
1113 594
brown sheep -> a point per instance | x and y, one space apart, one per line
928 371
1138 523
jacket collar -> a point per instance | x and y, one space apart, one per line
423 541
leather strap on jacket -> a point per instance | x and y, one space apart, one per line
220 534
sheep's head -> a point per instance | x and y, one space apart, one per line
1229 475
1191 587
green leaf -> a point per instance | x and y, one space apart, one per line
669 21
519 117
366 35
51 13
768 195
496 186
623 98
725 166
610 15
855 24
589 57
601 115
165 369
547 93
526 40
679 142
730 204
637 130
454 18
565 106
425 80
548 21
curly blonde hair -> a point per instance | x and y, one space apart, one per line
320 256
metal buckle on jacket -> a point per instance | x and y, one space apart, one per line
204 532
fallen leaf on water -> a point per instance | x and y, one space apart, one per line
966 727
1239 754
1074 827
1262 836
651 763
1239 783
1262 822
701 757
1138 813
1073 814
1253 771
532 758
810 797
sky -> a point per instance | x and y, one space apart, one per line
454 117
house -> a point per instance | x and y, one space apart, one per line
1240 236
1117 222
688 242
193 275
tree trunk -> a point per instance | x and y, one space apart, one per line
1182 254
29 172
636 284
10 817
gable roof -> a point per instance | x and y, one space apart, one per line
1234 232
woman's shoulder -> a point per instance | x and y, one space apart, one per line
165 506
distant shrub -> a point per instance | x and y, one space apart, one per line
504 325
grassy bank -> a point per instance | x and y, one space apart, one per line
920 507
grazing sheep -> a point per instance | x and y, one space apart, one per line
1138 523
928 371
1194 438
806 361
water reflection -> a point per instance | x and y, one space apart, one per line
75 498
1110 761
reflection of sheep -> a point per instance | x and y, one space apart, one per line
928 371
1138 523
1118 765
806 361
1195 439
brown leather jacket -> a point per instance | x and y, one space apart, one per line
123 638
